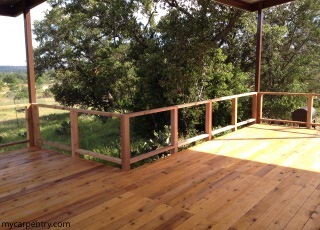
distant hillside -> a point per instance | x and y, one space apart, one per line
15 69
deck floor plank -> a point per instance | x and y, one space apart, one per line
259 177
306 211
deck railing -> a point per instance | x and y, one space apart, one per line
74 131
126 160
309 96
24 108
175 143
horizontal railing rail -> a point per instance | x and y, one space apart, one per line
289 94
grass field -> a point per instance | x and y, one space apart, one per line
95 134
13 123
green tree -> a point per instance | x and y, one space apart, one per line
291 48
89 54
127 64
10 79
179 60
289 56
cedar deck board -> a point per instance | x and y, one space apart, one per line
259 177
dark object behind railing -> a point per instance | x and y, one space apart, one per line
302 113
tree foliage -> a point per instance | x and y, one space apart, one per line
290 53
120 55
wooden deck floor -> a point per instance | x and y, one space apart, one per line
260 177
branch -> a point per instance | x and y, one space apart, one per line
174 4
149 20
295 53
228 28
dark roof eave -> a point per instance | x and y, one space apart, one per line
251 7
270 3
6 11
17 9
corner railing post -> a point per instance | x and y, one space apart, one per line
36 125
208 128
74 128
125 141
30 127
234 120
174 129
309 112
254 107
259 108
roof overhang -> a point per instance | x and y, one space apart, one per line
252 5
14 8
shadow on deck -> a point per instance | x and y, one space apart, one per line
260 177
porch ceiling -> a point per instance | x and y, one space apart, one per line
14 8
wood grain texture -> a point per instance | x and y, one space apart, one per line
259 177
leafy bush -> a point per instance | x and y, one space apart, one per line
64 129
47 93
160 139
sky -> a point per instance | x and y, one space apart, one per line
12 40
12 43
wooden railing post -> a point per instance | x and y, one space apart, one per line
74 128
125 142
208 128
254 107
36 125
174 129
234 120
309 112
259 108
29 123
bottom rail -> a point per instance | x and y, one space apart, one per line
55 145
150 154
192 139
99 155
14 143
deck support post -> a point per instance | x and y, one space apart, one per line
259 108
74 128
174 129
259 47
36 125
254 107
125 141
30 74
30 126
234 120
208 128
309 112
